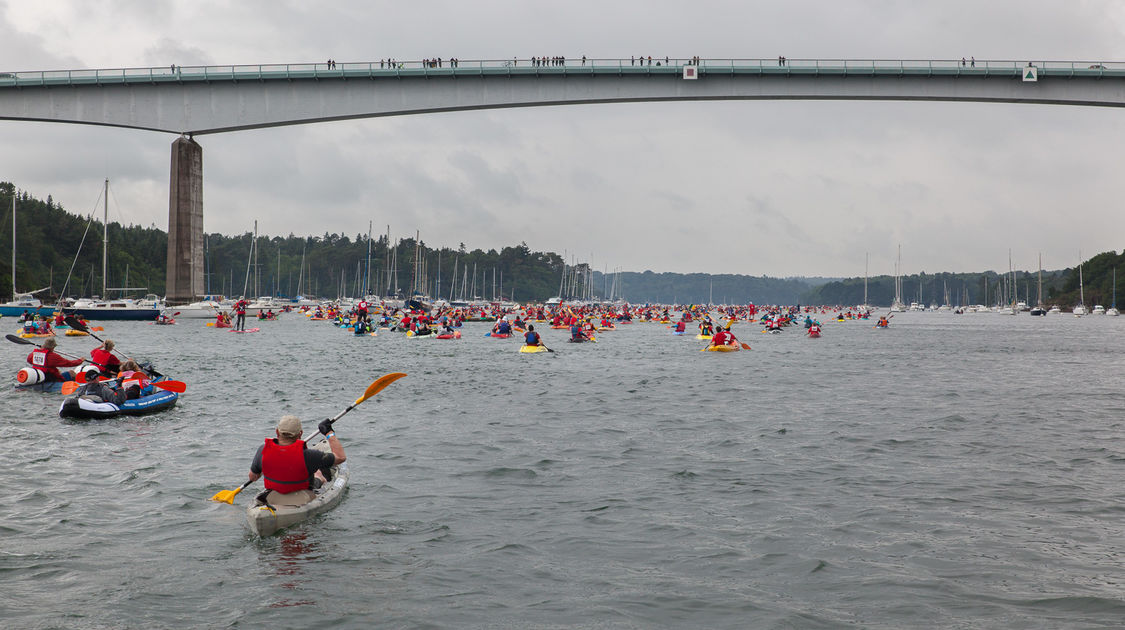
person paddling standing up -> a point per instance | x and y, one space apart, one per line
240 314
48 361
289 467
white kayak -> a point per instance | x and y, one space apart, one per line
289 509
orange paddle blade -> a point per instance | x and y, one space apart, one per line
379 384
69 387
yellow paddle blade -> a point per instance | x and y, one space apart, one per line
226 496
379 384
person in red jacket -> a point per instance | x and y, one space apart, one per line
723 337
46 359
240 314
288 466
103 357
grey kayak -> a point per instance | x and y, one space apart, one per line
265 520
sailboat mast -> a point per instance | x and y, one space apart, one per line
1039 294
257 270
866 263
301 273
105 239
367 274
249 260
13 243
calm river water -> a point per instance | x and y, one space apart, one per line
952 471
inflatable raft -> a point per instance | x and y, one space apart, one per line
271 511
82 407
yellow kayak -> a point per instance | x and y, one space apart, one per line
527 348
35 335
76 333
733 348
703 336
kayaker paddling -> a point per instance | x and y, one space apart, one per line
45 358
291 469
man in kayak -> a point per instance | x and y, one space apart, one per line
723 337
45 358
577 334
288 466
104 358
531 338
502 328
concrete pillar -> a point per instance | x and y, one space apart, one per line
185 223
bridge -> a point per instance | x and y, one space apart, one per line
197 100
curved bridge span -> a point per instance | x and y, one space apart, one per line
198 100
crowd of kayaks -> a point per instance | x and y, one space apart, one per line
266 515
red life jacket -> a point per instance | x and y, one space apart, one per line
104 359
283 467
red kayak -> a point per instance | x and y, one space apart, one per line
456 335
500 335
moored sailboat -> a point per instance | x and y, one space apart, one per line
1113 312
104 308
22 302
1039 310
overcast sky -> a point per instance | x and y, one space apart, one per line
794 188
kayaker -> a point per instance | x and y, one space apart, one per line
105 359
576 333
706 328
531 338
723 337
681 326
45 359
132 374
502 328
287 465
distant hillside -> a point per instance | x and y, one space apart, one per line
963 289
334 264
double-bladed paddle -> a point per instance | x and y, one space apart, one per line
227 496
25 342
178 387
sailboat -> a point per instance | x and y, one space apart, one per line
104 308
1010 283
864 308
1080 310
1039 310
897 306
22 301
1113 312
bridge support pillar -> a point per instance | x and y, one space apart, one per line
185 223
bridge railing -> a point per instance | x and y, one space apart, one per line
530 65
